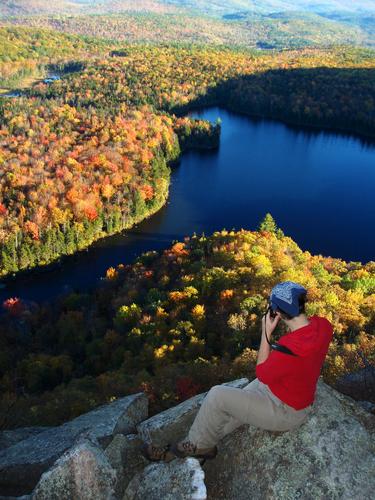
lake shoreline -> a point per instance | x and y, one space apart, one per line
62 259
189 206
294 125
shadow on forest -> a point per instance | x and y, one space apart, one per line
336 99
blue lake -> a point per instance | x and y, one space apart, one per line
319 186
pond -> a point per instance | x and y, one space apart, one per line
318 185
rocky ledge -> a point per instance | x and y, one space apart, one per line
97 456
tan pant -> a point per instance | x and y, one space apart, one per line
226 408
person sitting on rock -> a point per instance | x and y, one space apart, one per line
280 398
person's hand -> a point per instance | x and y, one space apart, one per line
269 324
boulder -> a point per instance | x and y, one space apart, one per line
367 405
359 385
173 424
9 438
181 479
124 456
331 455
82 473
22 464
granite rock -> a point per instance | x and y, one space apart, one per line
181 479
82 473
173 424
22 464
331 455
11 437
360 385
124 456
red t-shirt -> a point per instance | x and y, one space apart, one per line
293 379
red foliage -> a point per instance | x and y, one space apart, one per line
59 173
186 388
91 213
13 305
3 210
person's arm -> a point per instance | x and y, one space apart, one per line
268 325
264 350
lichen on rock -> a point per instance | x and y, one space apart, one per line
331 455
83 472
181 479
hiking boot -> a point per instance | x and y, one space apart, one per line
157 453
186 448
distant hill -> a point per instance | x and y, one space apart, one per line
212 7
269 6
272 31
40 7
248 23
22 7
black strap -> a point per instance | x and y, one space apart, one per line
282 348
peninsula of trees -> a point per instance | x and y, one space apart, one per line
173 324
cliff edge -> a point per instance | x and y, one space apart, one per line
96 456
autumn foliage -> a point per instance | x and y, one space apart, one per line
89 155
174 323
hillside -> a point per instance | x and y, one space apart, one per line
174 323
25 7
265 24
89 153
20 44
270 6
277 31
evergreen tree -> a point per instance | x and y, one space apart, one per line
139 206
268 224
9 261
70 240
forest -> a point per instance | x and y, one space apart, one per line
276 24
27 54
271 31
174 323
90 154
